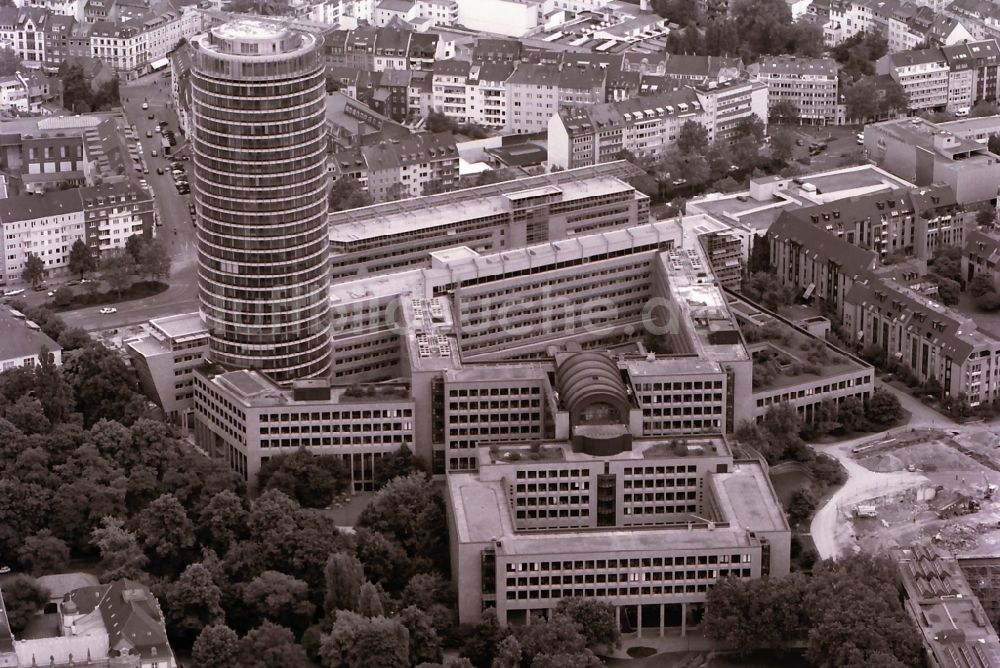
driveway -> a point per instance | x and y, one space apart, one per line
828 529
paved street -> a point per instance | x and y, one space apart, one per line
177 231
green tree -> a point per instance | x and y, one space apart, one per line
851 414
596 619
216 647
983 108
882 409
312 480
281 599
855 613
558 635
481 640
692 138
369 603
10 62
861 98
751 127
121 556
412 511
23 597
347 193
104 386
751 615
360 642
509 654
344 577
223 521
81 261
271 646
396 464
947 262
784 111
118 267
155 260
438 122
192 603
76 88
425 645
166 532
34 270
801 506
44 553
782 142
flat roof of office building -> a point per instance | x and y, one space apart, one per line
482 515
745 497
448 213
181 326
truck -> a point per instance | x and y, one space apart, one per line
865 510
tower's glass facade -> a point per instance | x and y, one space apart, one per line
259 147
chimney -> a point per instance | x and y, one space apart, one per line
644 5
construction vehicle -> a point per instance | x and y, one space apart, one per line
989 489
865 511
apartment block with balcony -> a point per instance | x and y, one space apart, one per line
981 257
113 212
400 167
926 336
809 84
923 75
45 227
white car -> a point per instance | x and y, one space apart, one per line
50 293
4 570
145 106
13 293
108 310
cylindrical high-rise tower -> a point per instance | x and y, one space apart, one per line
259 143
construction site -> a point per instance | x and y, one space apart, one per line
954 503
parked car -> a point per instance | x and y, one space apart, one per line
108 310
13 293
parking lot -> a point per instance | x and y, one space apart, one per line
841 144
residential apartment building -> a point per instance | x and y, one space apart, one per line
450 96
981 257
897 222
42 226
809 84
821 265
23 31
401 168
648 125
699 70
905 25
930 339
113 212
923 75
923 153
